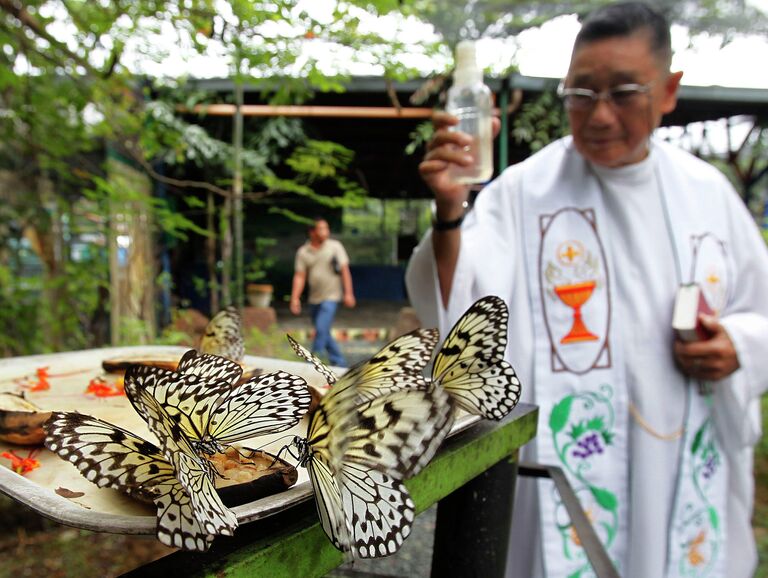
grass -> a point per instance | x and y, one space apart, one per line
760 517
33 546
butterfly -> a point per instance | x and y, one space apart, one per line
470 364
189 512
203 400
358 455
223 336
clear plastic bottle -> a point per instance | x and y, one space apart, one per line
470 100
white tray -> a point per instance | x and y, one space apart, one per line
105 509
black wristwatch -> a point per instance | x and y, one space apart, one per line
439 225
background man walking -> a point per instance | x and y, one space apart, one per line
323 263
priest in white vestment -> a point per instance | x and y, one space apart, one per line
587 241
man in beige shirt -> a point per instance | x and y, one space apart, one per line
323 263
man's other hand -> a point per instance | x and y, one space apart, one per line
711 359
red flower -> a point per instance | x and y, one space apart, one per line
22 466
42 380
99 387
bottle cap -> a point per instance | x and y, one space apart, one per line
467 71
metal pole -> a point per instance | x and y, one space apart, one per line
504 132
237 189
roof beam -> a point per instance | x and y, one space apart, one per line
310 111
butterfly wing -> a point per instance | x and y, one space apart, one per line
470 364
223 335
379 510
209 367
112 457
322 453
189 399
267 403
398 365
398 433
359 453
196 479
176 522
308 356
328 502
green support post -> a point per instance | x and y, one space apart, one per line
504 132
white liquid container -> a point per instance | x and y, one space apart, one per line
470 100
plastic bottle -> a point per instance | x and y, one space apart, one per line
470 100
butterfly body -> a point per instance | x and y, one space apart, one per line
195 473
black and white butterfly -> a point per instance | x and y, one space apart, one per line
189 511
204 399
470 364
223 336
359 454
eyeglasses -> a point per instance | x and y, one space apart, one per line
623 96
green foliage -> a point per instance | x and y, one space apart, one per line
291 216
134 331
760 517
540 122
61 101
39 314
371 230
455 20
19 308
419 137
270 343
261 259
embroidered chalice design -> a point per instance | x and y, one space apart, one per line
574 296
572 254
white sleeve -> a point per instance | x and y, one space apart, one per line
485 264
422 284
746 314
746 321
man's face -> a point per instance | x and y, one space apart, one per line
320 232
611 135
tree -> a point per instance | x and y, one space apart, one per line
475 19
72 84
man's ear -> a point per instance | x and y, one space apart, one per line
671 86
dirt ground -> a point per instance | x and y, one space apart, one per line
31 546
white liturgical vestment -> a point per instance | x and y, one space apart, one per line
588 260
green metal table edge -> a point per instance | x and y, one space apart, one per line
292 543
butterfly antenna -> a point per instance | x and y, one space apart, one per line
287 449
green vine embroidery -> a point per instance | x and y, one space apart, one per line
700 524
582 428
